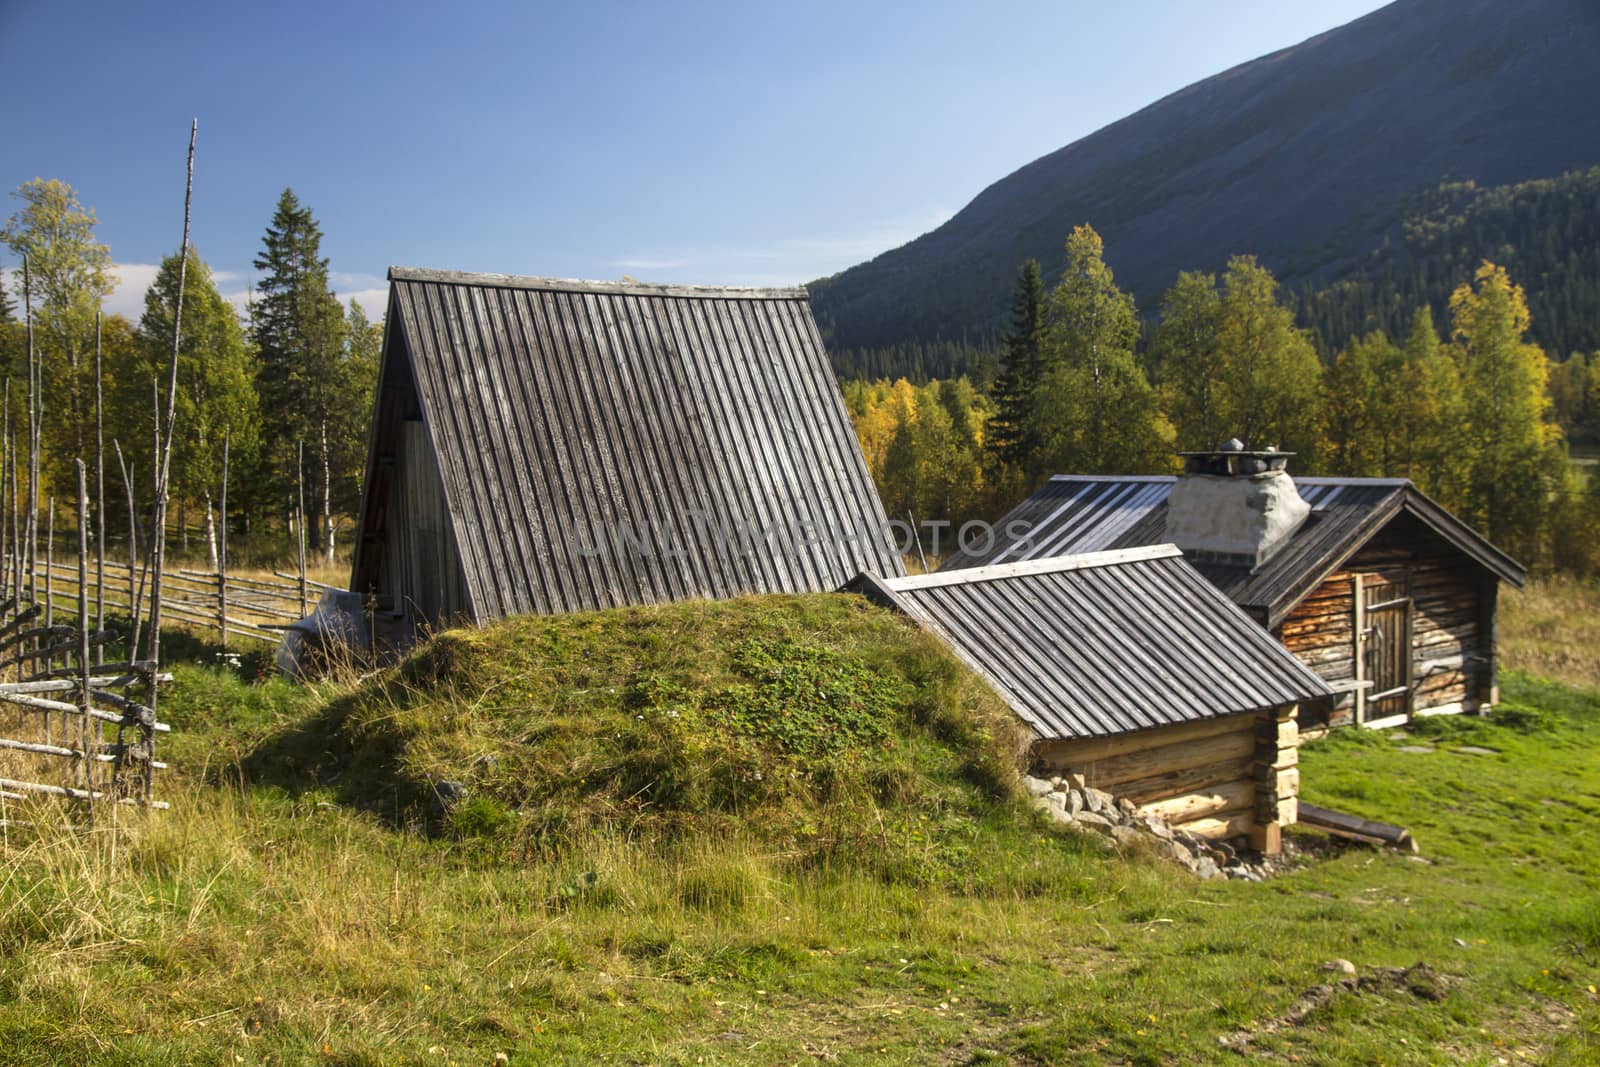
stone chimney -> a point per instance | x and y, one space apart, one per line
1234 507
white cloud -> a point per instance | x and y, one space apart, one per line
127 299
373 301
133 279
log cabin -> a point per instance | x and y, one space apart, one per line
542 446
1383 593
1135 674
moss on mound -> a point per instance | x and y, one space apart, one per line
819 723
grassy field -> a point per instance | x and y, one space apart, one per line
1552 629
304 901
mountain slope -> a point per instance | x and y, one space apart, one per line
1303 157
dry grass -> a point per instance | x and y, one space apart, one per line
1552 629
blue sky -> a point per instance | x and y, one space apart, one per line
712 143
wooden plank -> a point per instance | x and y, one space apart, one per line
1204 803
1172 782
72 794
1090 750
1213 755
1357 828
1221 825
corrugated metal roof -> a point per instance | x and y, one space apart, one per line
1104 643
1086 513
575 421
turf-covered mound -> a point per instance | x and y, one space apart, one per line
811 721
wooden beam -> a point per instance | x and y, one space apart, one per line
1077 754
1357 828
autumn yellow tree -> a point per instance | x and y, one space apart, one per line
1096 412
1510 446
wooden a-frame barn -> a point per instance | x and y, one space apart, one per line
543 446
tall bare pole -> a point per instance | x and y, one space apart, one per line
89 737
30 538
163 456
5 492
327 498
100 493
222 546
300 518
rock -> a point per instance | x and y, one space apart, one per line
1206 867
1094 821
1236 871
1477 750
1074 800
1098 800
1416 749
1154 826
1126 836
1036 786
1340 966
1181 853
1127 807
1055 802
447 795
1058 783
1459 943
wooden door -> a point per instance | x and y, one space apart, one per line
1388 648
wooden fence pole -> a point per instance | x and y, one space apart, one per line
5 491
133 555
300 521
31 544
89 732
222 546
49 568
100 494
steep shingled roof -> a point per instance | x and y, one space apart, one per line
573 421
1088 513
1104 643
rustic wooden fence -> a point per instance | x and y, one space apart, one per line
59 695
231 604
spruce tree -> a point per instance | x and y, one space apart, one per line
1009 439
299 331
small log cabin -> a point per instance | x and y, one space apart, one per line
543 446
1133 671
1379 590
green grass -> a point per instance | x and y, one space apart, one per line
885 901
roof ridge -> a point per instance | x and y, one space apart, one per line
1048 565
579 285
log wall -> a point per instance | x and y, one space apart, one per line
1452 650
1227 777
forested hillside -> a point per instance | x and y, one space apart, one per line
1308 158
1546 232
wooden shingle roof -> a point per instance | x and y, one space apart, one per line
1104 643
1088 513
574 422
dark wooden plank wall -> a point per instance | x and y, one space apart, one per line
1448 654
421 572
